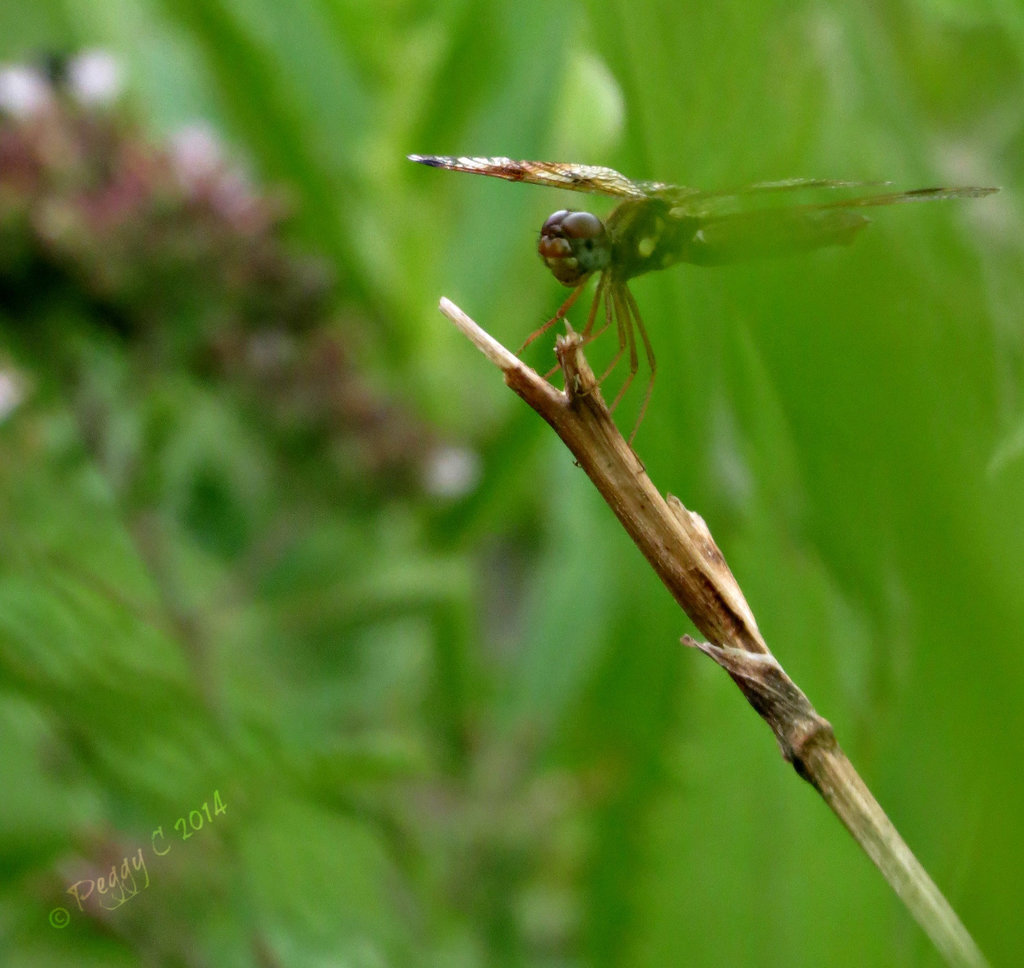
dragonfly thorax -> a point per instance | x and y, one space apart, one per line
573 245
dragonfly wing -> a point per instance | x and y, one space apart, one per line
594 179
745 236
917 195
689 202
740 236
699 202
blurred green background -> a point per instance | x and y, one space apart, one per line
274 539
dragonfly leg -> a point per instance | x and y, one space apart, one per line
589 333
599 296
635 317
610 311
562 310
586 334
624 306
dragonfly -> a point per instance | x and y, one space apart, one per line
657 225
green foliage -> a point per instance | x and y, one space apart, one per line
455 727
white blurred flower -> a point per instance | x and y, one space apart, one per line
196 153
198 158
11 392
450 472
24 91
94 78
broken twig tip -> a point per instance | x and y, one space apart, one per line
480 338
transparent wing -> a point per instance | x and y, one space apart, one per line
734 197
742 236
703 204
576 178
598 180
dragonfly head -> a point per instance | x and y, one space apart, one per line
573 245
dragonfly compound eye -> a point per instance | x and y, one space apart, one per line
573 245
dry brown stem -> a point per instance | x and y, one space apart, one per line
679 547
